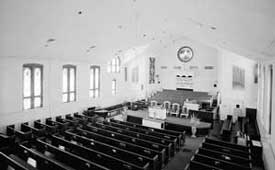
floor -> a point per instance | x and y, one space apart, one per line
182 158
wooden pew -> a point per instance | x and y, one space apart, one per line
155 156
171 147
21 161
25 151
226 128
66 157
66 122
218 163
180 135
37 132
50 129
115 152
129 139
7 163
227 150
134 119
89 118
227 144
73 122
21 135
6 140
139 141
80 118
154 162
98 157
171 139
61 126
195 165
225 157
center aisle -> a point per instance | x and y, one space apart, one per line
182 158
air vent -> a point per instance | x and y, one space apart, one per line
177 67
209 67
163 67
193 67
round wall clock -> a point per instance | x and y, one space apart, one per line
185 54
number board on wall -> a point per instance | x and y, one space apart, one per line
238 78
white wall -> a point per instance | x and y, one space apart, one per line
246 97
263 110
11 105
203 56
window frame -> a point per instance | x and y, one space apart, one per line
69 67
94 67
114 66
114 90
32 67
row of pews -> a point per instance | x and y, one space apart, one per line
80 141
219 155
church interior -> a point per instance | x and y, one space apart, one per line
137 85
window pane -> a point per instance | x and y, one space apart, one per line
113 84
92 78
27 103
96 78
37 102
27 82
65 80
109 67
65 97
113 65
91 93
114 87
96 93
72 97
117 65
72 79
37 81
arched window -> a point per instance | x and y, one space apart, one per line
32 86
94 81
114 65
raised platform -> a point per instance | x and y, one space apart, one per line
170 123
179 96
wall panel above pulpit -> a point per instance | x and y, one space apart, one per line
199 73
184 81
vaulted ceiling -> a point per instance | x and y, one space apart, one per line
85 29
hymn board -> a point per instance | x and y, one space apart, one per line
184 80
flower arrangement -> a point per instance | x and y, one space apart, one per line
194 119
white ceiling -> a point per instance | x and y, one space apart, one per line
103 28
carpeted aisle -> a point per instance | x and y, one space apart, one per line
182 158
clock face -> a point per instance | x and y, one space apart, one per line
185 54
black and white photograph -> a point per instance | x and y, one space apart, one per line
137 85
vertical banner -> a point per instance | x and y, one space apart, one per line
125 74
152 70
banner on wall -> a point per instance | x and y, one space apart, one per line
152 61
184 81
